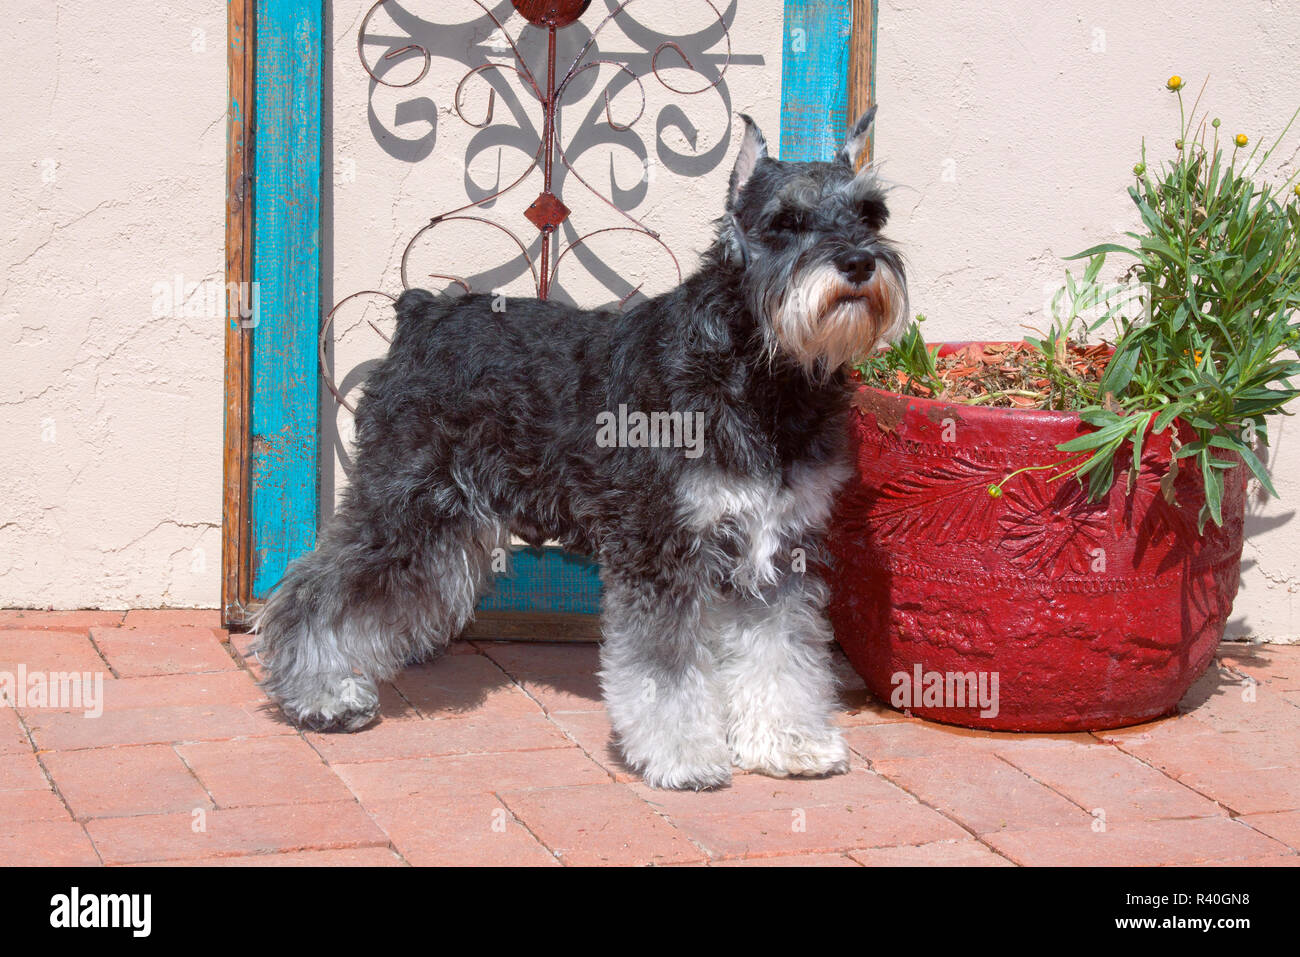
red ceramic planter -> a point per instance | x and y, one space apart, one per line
1079 615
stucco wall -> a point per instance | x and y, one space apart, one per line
112 169
1009 127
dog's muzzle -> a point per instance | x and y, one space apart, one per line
836 312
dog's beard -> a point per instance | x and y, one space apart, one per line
825 322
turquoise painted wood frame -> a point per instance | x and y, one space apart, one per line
286 264
285 385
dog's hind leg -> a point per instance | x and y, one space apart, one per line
660 690
775 670
377 593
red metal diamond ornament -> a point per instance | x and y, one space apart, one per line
547 212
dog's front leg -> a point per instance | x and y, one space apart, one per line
774 666
660 686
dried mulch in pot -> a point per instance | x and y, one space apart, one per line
1010 375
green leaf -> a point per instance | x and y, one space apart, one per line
1103 248
1167 415
1094 267
1100 417
1249 457
1213 487
1119 371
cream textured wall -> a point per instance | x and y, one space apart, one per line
1009 127
111 167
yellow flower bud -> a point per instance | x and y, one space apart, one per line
1242 140
1175 83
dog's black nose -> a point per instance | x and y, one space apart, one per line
857 265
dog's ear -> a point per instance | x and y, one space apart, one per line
735 246
855 147
753 147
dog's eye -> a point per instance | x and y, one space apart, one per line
789 221
873 211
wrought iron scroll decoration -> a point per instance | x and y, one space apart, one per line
547 212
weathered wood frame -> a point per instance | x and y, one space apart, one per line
236 527
270 460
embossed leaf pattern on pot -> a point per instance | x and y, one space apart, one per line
946 502
1046 533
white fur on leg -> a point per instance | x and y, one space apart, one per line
670 731
661 694
775 671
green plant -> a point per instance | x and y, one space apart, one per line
1217 279
909 356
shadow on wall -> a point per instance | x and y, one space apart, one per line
603 107
1257 523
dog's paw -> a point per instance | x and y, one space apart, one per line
348 705
681 766
689 777
784 754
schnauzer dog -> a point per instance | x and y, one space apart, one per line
483 423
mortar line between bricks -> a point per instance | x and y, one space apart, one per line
49 775
294 849
357 798
76 629
58 792
937 810
242 660
272 852
382 830
550 719
527 828
709 856
1245 679
1088 811
1043 784
578 744
229 646
1200 817
1231 814
91 841
776 855
174 745
90 636
514 681
407 701
792 852
613 779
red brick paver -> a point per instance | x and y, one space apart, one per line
160 650
500 754
116 782
221 833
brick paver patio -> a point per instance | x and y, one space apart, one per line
498 753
